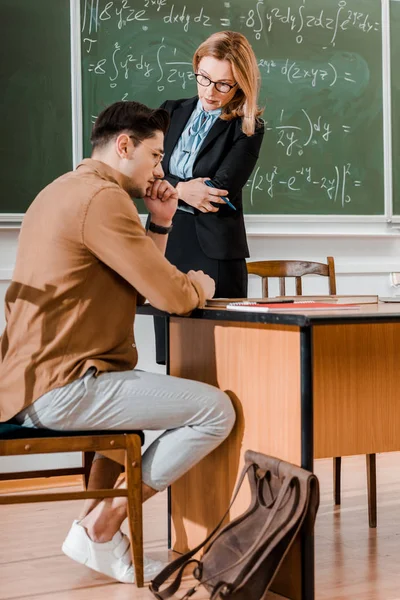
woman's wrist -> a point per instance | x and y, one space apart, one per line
179 190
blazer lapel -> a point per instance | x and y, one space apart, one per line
178 122
219 127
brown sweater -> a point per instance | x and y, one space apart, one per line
83 260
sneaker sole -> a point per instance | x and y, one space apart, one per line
83 560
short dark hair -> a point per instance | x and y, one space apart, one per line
131 116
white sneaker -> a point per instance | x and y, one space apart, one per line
110 558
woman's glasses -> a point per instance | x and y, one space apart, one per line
220 86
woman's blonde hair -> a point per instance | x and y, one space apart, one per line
234 47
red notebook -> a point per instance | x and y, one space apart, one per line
292 306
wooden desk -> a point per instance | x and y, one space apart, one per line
305 385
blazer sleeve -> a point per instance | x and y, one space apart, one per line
172 179
238 164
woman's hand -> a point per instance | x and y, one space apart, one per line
199 195
161 201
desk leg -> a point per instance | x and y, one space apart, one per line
301 556
307 454
168 371
260 366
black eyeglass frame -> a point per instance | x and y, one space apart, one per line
216 83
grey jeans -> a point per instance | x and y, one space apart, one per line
197 417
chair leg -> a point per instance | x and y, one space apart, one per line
87 465
133 470
371 483
337 466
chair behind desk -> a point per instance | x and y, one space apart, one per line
292 268
297 269
16 440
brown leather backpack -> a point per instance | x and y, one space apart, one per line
244 556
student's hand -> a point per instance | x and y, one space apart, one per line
196 193
205 281
161 201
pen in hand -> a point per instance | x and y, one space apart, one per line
210 184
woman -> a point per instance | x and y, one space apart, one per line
214 136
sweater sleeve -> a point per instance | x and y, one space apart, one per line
112 231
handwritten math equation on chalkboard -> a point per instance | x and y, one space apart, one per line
298 20
257 20
143 50
334 184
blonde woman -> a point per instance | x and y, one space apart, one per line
214 136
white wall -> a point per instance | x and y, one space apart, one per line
365 254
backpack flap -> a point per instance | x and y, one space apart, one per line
245 555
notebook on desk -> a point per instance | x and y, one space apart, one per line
395 299
223 302
332 299
342 298
288 306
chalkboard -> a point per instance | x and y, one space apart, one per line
395 101
321 67
35 101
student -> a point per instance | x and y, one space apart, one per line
215 135
68 353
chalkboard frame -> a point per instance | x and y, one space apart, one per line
11 220
392 213
371 200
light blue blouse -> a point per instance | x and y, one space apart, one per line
188 146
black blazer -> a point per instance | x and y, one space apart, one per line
227 156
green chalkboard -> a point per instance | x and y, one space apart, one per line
395 101
35 100
321 67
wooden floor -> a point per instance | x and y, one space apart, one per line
352 561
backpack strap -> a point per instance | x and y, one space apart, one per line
277 505
181 562
171 589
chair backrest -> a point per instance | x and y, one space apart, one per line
292 268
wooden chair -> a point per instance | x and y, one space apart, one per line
292 268
17 440
298 269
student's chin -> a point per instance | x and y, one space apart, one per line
136 193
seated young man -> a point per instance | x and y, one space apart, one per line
68 353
